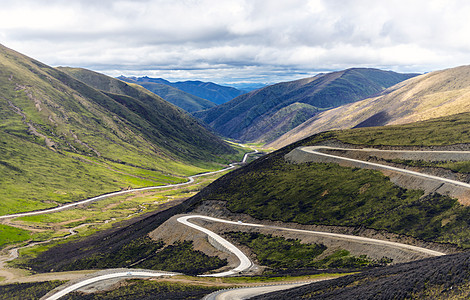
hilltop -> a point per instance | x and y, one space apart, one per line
258 115
62 140
432 95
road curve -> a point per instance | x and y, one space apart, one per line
245 262
128 274
101 197
248 292
315 150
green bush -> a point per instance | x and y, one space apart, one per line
144 253
281 253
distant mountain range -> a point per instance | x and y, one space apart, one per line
186 101
66 134
212 92
267 113
432 95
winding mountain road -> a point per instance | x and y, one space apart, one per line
245 263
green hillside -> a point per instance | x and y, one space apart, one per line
328 194
62 140
244 117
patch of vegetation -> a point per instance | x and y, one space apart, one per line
10 235
144 253
281 253
277 252
344 260
27 291
148 290
180 257
129 254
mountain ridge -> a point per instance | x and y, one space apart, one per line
435 94
324 91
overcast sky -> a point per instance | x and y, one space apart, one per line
231 41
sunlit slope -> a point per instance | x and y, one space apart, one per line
248 116
62 140
436 94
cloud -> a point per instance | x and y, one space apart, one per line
223 40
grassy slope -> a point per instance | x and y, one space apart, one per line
102 142
282 121
235 118
312 193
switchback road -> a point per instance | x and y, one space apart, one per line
245 263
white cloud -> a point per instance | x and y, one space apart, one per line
224 39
